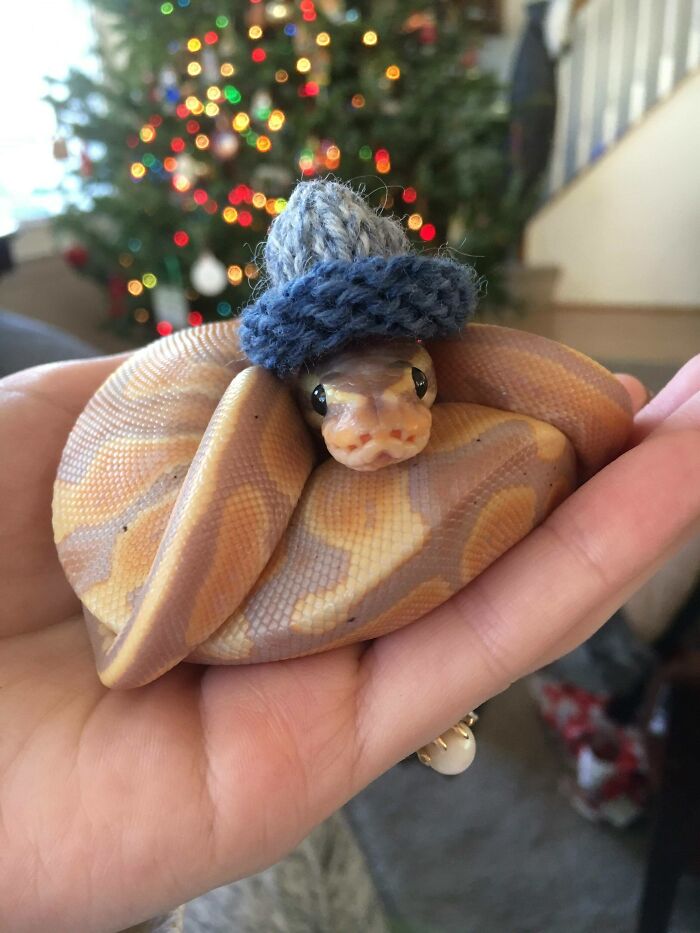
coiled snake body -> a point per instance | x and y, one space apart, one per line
196 516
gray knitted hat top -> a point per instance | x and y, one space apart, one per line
339 272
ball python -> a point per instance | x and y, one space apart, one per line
198 517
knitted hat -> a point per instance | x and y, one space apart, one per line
339 272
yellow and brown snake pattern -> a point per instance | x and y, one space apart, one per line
196 516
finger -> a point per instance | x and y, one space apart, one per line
544 596
38 407
638 392
678 390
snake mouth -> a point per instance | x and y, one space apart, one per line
376 453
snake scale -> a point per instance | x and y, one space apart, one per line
197 517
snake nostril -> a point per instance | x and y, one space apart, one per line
397 432
364 438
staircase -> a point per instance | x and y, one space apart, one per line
625 57
620 223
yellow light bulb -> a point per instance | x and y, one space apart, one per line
149 280
227 70
241 122
333 153
235 275
194 68
230 215
393 72
263 144
323 39
303 65
212 109
134 287
194 45
213 92
255 32
276 120
415 222
370 37
138 170
259 200
201 141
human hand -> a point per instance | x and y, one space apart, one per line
115 806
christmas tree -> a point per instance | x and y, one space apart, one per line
204 117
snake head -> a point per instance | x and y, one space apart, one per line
372 404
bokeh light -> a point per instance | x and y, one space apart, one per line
235 275
241 122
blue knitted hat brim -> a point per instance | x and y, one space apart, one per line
340 302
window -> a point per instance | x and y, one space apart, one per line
38 40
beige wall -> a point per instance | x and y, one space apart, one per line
627 231
513 16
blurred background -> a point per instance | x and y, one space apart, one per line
553 145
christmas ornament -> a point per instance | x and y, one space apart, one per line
210 65
60 149
86 164
117 290
278 12
189 167
170 306
76 256
333 10
261 105
208 275
275 179
225 145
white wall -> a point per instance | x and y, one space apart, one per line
628 230
513 12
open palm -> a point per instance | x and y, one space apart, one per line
117 805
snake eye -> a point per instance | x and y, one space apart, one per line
318 400
420 381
